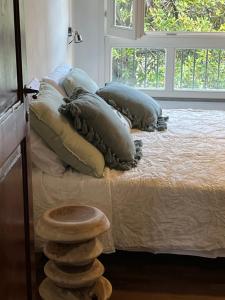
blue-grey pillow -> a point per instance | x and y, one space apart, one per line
144 112
95 120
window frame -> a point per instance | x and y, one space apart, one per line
137 31
170 41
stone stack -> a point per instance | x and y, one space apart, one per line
73 270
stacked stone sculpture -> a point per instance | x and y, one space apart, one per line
73 270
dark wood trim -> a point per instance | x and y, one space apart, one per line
27 184
16 6
28 221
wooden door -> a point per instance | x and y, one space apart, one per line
16 228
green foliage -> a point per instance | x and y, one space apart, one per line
200 69
124 13
185 15
194 68
141 67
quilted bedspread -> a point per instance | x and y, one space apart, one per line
173 202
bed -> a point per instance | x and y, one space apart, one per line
172 202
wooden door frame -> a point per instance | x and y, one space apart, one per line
26 162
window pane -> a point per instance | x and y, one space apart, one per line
185 15
123 13
200 69
140 67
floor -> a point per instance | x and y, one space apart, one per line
143 276
138 276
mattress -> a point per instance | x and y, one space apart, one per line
172 202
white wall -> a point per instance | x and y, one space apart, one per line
46 24
193 105
88 19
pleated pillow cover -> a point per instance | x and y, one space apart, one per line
95 120
60 135
143 111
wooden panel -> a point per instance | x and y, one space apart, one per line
12 130
12 242
16 227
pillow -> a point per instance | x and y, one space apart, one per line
143 111
125 121
60 136
95 120
59 88
44 158
59 73
78 78
47 90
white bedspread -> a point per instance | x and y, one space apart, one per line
173 202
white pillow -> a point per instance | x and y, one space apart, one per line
79 78
44 158
59 73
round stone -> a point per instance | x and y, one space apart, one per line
49 291
74 277
102 290
74 224
73 254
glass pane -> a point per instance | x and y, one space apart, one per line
123 10
185 15
200 69
140 67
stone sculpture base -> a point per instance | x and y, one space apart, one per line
101 290
73 271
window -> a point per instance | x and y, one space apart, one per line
171 48
184 15
200 69
141 67
126 18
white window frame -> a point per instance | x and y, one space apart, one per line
137 31
170 42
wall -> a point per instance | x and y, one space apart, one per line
193 105
46 24
88 19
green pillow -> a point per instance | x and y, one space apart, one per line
60 136
46 89
143 111
95 120
79 78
